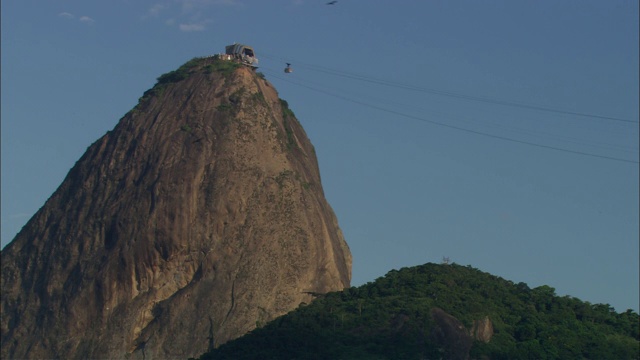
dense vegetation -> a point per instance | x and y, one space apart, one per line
207 65
391 319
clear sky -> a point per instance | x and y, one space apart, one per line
500 134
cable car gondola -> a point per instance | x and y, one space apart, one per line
288 69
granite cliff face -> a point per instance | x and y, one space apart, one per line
200 216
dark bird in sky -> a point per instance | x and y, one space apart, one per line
332 2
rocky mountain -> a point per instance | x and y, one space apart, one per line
200 216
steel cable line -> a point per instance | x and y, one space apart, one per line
486 100
519 130
604 145
504 138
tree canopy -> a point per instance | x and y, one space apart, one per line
392 318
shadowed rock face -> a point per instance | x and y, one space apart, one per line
451 334
198 218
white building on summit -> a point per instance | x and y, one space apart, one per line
242 53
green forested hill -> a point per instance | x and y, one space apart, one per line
434 312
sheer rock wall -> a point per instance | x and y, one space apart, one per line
200 216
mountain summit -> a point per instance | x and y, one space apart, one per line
198 218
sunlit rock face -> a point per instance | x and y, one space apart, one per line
200 216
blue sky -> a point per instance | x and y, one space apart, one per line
500 134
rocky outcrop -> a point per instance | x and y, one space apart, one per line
453 338
451 335
482 330
198 217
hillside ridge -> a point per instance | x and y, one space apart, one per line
442 311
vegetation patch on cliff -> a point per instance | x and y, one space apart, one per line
206 65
